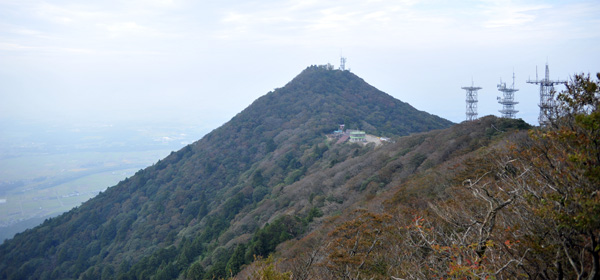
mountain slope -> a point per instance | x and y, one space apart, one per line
378 195
178 211
488 200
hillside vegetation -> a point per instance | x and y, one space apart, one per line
268 196
523 206
185 215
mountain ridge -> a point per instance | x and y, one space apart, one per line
191 197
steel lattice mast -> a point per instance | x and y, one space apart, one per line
471 101
547 102
508 99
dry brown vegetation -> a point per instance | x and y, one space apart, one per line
526 206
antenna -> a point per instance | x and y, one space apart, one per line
471 101
508 99
342 63
513 84
547 103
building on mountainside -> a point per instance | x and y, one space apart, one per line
343 139
343 135
338 133
358 136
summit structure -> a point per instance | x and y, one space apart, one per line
471 100
508 99
343 63
547 103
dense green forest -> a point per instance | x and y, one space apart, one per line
269 196
191 214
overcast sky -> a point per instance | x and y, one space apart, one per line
204 61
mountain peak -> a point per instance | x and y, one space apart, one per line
181 208
316 74
334 97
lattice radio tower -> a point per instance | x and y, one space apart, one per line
471 101
547 102
508 99
342 63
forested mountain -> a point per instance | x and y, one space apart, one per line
488 199
202 212
269 196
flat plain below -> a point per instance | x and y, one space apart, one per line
46 170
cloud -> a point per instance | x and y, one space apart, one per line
14 47
173 47
126 29
60 28
506 14
69 14
299 22
22 31
407 24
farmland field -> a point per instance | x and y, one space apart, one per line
46 170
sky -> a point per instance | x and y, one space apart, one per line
204 61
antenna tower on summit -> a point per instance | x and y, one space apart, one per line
508 99
547 103
471 101
342 63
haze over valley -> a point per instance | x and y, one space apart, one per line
296 140
47 168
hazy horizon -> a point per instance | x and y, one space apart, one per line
202 63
